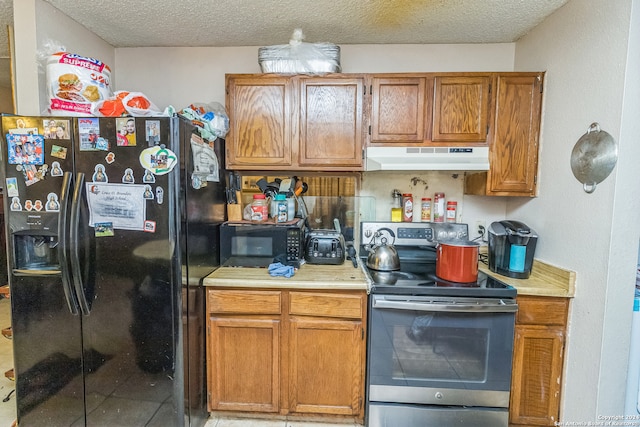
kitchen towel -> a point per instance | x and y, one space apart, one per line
279 269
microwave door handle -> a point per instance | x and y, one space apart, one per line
492 307
73 237
63 230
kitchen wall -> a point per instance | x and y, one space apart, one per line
6 102
590 50
42 27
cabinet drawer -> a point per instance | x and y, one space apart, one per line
542 310
326 305
245 302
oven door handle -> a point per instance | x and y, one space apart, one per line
485 307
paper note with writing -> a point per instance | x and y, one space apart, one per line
123 205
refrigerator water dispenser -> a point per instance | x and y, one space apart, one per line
36 252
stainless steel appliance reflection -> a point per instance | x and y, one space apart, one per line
439 352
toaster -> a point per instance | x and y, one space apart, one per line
325 247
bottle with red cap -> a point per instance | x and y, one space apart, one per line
452 208
438 207
407 207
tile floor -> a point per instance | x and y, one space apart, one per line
8 409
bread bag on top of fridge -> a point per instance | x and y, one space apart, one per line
75 82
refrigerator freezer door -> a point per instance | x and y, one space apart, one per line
131 326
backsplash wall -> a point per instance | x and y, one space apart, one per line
471 209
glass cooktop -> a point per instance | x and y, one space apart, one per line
403 283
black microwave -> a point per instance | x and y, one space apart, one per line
260 244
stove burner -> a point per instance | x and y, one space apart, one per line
391 277
397 282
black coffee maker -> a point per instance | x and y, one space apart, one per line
511 248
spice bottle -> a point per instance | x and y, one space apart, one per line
407 206
451 211
280 201
438 207
259 208
425 211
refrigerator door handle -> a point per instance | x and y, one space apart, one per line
63 231
73 237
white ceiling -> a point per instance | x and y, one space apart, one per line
166 23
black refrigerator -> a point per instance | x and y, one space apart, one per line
111 225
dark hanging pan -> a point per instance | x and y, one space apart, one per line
593 157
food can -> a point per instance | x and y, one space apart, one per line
438 207
425 209
451 211
407 206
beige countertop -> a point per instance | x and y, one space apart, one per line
308 276
545 280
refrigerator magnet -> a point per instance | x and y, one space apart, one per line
56 129
159 159
58 151
150 226
104 229
89 132
152 132
37 205
28 205
56 170
52 203
99 175
12 187
148 177
126 132
128 178
16 206
148 193
25 149
110 158
159 195
30 174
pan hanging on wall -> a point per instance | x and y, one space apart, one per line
593 157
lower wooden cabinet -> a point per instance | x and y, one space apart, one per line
300 352
538 360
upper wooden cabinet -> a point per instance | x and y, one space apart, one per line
295 122
461 109
430 109
399 111
260 130
513 152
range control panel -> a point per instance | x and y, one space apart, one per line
411 233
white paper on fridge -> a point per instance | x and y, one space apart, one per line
123 205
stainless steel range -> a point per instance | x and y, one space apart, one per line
439 353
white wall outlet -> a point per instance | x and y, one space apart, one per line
480 228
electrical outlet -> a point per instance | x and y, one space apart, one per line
481 228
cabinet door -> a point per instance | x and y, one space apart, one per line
514 151
244 364
259 111
329 355
461 109
331 133
537 371
398 109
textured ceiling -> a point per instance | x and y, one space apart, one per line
143 23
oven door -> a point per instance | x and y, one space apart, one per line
440 350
